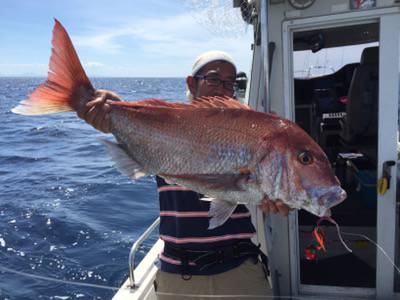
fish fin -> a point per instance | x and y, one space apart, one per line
162 103
202 102
220 211
151 103
123 162
67 84
217 101
233 182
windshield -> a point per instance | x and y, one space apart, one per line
326 61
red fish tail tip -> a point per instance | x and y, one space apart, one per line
67 85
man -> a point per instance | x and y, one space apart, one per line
196 260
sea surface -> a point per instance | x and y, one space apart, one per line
65 211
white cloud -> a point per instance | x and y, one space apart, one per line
103 41
92 64
171 41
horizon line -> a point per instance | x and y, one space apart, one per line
44 76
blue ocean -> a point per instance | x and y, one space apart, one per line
65 211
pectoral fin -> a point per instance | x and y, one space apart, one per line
123 162
220 211
232 182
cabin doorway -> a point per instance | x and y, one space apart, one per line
336 102
344 91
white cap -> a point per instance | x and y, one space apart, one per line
211 56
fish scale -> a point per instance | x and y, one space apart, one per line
174 147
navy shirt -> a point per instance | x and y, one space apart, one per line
184 223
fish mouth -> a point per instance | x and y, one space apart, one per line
323 199
326 213
329 199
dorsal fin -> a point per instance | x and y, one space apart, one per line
160 103
202 102
151 103
219 101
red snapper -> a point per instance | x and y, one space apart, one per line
215 146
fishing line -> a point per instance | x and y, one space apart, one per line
329 219
92 285
377 246
359 235
112 288
232 296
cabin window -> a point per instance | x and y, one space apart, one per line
326 61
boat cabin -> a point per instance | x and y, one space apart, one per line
332 67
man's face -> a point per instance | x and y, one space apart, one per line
214 71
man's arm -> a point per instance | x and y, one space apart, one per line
95 112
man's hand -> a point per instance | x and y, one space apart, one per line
95 112
269 206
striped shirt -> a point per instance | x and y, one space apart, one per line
184 223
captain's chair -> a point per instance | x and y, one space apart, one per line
360 126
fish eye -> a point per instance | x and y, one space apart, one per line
305 158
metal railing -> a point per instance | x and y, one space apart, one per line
134 249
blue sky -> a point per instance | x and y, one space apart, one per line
150 38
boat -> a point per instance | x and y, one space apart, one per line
352 111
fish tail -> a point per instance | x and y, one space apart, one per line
67 87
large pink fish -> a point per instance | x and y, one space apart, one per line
214 146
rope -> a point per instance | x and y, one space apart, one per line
113 288
98 286
232 296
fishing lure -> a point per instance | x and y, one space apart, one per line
318 234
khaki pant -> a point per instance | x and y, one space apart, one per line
244 282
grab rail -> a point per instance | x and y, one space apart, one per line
134 248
